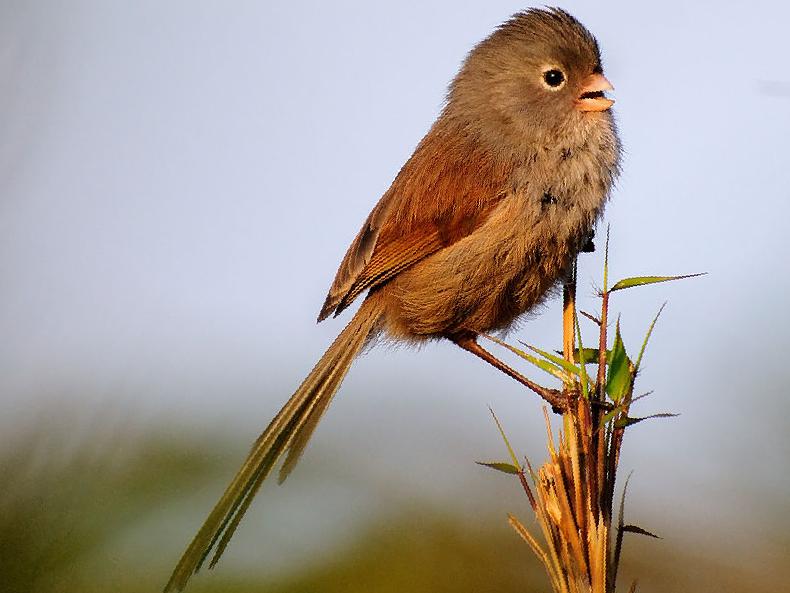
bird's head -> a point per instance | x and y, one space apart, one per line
537 75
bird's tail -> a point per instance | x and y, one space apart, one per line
288 432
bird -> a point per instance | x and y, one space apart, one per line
482 223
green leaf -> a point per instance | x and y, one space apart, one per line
501 466
618 382
647 337
558 360
541 364
609 416
642 280
639 530
512 453
621 407
591 355
618 546
624 422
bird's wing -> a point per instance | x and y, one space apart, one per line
444 192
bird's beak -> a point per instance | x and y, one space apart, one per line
592 97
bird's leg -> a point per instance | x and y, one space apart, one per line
468 341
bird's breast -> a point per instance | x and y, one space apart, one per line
511 262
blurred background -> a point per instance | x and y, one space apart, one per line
178 183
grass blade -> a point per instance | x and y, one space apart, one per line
647 338
559 360
643 280
543 365
501 466
504 438
625 422
639 530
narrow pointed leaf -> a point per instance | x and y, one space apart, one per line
624 422
543 365
643 280
609 416
618 382
500 466
638 397
621 407
504 438
590 355
639 530
647 338
558 360
618 546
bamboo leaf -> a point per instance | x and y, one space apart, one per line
624 422
558 360
643 280
647 337
639 530
504 438
618 382
501 466
618 546
609 416
541 364
638 397
621 407
590 355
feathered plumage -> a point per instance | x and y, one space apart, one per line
479 225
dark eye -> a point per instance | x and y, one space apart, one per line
553 78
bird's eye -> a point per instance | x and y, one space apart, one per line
554 79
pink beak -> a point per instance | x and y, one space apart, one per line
592 96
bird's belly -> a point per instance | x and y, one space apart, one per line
485 281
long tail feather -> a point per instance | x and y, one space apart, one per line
305 430
289 430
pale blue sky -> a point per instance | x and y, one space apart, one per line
180 180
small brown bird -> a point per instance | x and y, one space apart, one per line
479 225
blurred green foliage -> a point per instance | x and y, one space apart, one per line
63 503
68 506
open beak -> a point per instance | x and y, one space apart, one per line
592 97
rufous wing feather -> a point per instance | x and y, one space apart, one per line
443 193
